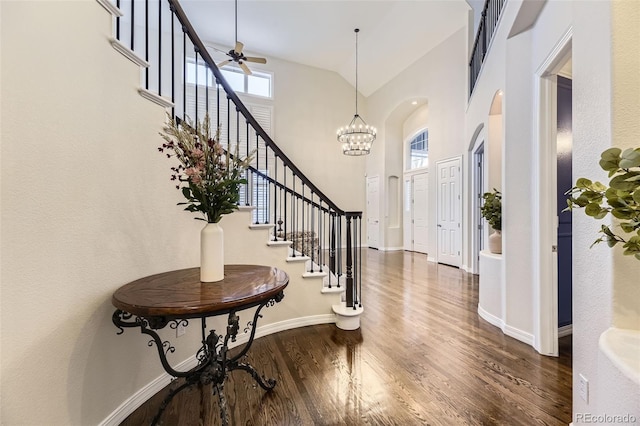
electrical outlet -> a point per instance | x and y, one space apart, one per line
180 329
583 388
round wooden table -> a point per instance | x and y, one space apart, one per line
172 298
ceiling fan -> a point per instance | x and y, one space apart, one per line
236 53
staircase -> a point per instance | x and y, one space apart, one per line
284 219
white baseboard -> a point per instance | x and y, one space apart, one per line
391 248
566 330
136 400
467 269
510 331
518 334
431 259
491 319
132 403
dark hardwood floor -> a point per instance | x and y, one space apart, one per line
422 356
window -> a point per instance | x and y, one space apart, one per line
419 150
257 84
234 130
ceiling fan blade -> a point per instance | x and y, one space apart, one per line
239 47
245 68
223 63
256 60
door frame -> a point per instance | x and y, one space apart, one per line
479 186
545 275
460 206
375 208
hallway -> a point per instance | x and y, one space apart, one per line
422 356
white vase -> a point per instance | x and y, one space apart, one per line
495 242
211 253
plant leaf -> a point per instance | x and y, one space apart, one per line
630 158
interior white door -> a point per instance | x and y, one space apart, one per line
373 211
449 213
420 209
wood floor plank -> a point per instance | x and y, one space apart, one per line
423 356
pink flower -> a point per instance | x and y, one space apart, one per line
192 171
194 174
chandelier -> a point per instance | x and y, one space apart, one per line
357 137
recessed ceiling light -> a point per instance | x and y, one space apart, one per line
414 103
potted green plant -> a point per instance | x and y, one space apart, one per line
491 210
621 199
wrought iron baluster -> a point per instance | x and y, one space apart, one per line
294 216
173 62
246 172
184 75
206 93
320 236
275 200
355 262
218 122
360 257
160 48
133 16
195 51
312 234
340 246
118 22
349 264
302 228
146 43
332 244
284 209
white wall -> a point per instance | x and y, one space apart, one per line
88 206
600 273
98 214
493 148
310 104
626 134
440 78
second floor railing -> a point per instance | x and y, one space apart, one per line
327 237
488 23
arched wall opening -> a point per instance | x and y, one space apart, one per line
391 206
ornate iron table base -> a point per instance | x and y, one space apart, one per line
214 364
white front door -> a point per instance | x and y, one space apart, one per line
449 213
420 209
373 211
407 214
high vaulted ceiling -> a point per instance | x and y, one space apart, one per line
319 33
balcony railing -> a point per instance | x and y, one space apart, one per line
488 23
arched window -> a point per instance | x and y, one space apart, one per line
419 150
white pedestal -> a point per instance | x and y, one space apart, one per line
347 318
490 288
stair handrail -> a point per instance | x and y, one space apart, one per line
201 49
